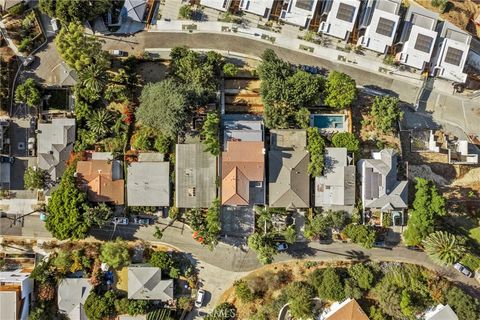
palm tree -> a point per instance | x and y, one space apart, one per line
94 78
443 247
100 122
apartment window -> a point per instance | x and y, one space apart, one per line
385 27
345 12
453 56
423 43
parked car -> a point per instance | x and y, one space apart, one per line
120 220
463 270
414 248
141 221
282 246
200 297
118 53
28 61
5 159
54 23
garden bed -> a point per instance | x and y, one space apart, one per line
25 31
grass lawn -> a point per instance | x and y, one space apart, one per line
475 234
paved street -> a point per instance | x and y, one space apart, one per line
237 259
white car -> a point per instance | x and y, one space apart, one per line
118 53
28 61
282 247
120 220
463 270
200 297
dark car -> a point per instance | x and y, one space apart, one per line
4 159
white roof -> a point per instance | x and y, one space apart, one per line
337 185
299 12
148 184
221 5
135 9
341 18
381 28
8 302
441 312
259 7
419 37
452 52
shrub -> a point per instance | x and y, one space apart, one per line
185 12
230 70
115 253
346 140
328 284
25 45
361 234
243 292
363 275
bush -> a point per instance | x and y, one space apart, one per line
224 311
465 306
300 295
230 70
471 261
316 148
361 234
115 253
185 12
363 275
243 292
25 45
328 284
99 307
34 178
346 140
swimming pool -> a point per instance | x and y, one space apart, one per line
328 121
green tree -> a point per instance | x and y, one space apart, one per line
328 284
302 118
162 260
100 215
163 107
340 90
210 132
361 234
100 123
162 143
74 10
94 79
243 292
427 207
389 296
376 314
351 289
100 307
230 70
316 148
443 247
28 93
185 12
47 7
406 304
264 246
136 307
66 209
158 234
465 306
300 295
346 140
213 226
79 50
386 113
363 274
34 178
317 227
115 253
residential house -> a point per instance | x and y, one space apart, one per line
7 4
5 167
146 283
381 191
195 176
339 17
462 152
16 288
261 8
102 180
134 10
288 178
220 5
335 189
346 310
72 294
378 24
54 145
148 181
243 161
418 37
298 12
441 312
451 52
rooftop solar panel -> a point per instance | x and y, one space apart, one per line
345 12
423 43
454 56
385 27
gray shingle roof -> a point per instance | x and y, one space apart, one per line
146 283
54 145
72 294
